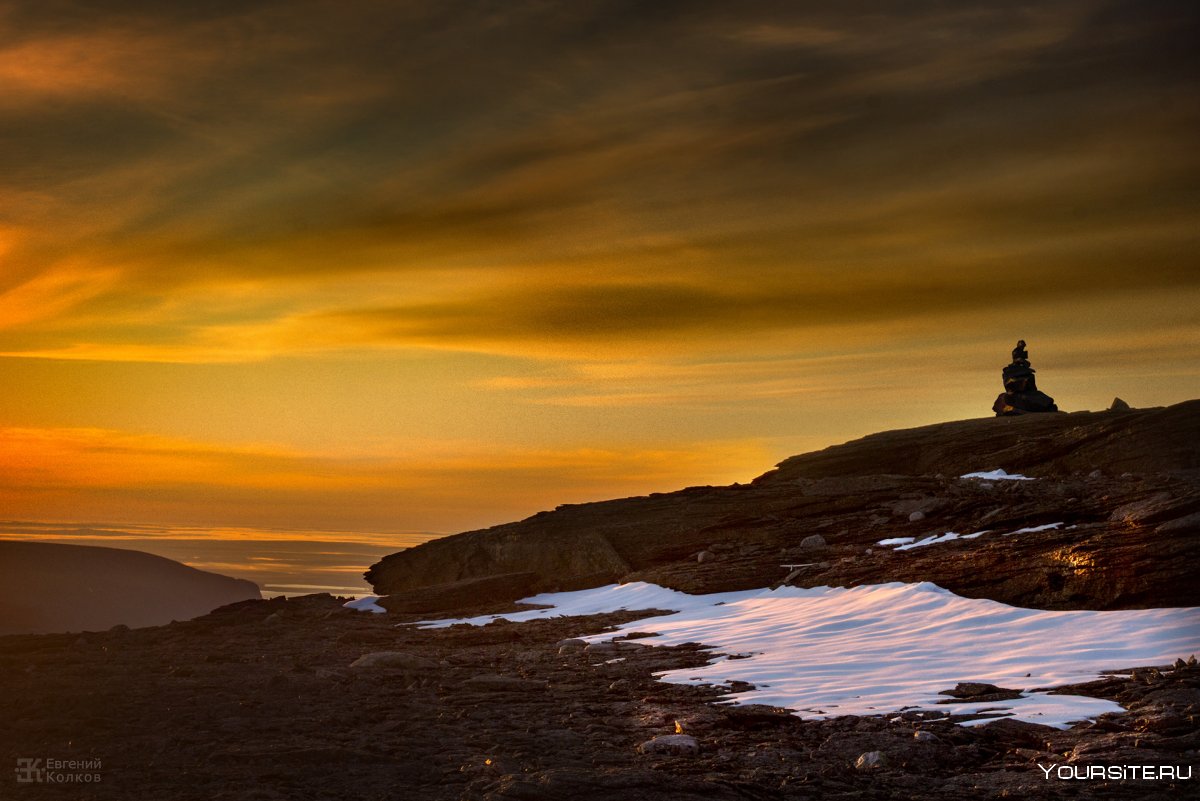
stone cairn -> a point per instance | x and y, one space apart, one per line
1021 395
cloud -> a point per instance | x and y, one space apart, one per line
97 474
460 215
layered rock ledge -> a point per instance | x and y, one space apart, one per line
1123 487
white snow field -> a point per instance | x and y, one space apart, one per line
873 650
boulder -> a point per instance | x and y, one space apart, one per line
672 745
971 691
558 559
813 542
505 587
394 660
492 683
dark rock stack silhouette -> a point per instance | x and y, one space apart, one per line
1021 395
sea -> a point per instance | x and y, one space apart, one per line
280 562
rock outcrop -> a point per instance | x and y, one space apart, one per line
1124 487
462 594
47 587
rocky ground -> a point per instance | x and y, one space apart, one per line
264 700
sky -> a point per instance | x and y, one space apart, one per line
424 267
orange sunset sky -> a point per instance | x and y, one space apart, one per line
394 267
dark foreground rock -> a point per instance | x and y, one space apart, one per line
457 594
1124 485
47 587
230 706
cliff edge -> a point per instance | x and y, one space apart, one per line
1109 519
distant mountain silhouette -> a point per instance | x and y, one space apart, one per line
49 587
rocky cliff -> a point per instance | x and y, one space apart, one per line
1114 504
47 587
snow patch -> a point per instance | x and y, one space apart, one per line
613 598
908 543
877 649
367 603
1033 529
949 535
998 475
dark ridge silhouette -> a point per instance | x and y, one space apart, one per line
51 587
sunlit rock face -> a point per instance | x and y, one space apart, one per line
1121 487
48 587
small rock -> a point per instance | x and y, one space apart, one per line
570 646
1095 474
922 736
980 691
871 760
813 542
671 744
394 660
494 683
611 647
273 619
1186 523
1119 405
916 516
704 556
757 713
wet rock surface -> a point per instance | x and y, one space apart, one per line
228 707
1125 487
